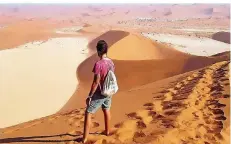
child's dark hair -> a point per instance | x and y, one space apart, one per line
102 47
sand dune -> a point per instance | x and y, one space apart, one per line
191 45
136 47
169 111
222 37
131 73
35 74
39 30
208 11
168 93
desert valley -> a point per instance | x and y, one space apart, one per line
172 65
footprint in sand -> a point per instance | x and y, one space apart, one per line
74 132
167 123
159 97
172 105
226 84
118 125
73 119
77 124
152 114
149 108
168 96
133 115
53 118
164 91
141 125
95 124
139 137
226 96
220 118
217 111
33 124
10 131
149 104
171 113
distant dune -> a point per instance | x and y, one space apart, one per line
222 37
167 12
179 11
26 31
208 11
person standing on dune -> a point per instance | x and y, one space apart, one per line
95 99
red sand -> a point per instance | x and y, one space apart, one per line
165 96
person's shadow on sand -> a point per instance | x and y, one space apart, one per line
39 139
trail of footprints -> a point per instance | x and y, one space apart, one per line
188 112
160 113
25 125
74 118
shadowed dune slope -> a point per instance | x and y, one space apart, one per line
133 73
222 56
222 37
110 37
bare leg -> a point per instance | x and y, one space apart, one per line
87 123
107 118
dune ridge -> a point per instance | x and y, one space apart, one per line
193 109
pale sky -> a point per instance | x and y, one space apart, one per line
114 1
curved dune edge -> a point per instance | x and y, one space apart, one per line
182 110
130 46
38 78
133 73
92 29
111 37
